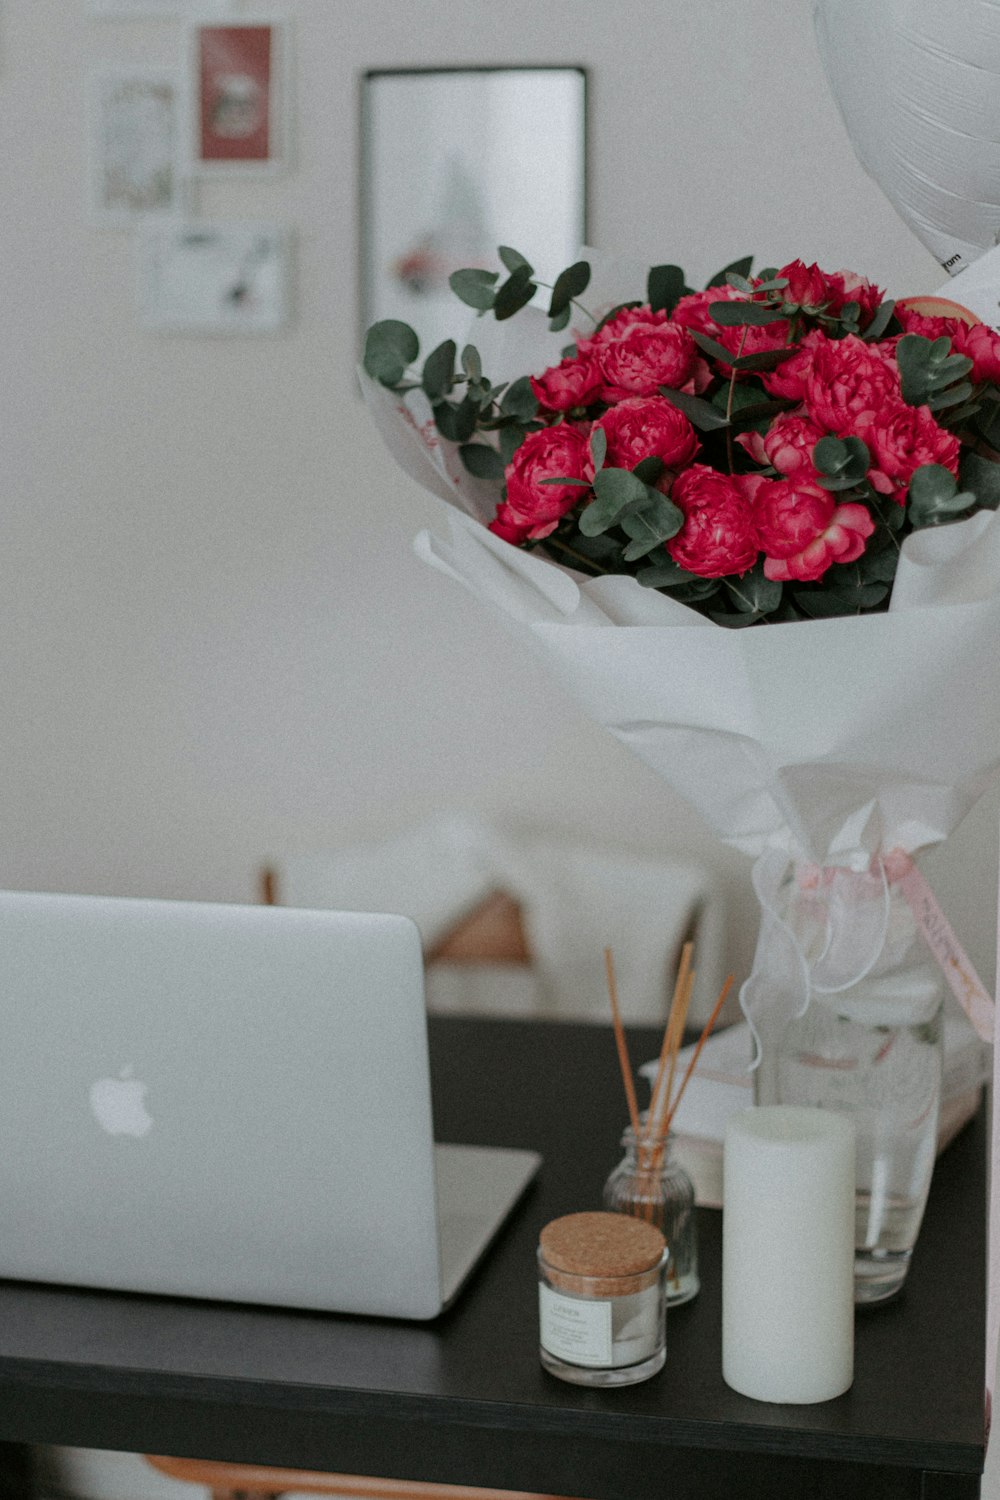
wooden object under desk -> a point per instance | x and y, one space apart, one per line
229 1481
491 933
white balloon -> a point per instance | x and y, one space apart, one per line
918 85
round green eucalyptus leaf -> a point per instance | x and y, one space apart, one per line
390 348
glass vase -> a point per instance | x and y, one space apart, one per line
852 1020
649 1183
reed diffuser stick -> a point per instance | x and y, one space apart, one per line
671 1041
623 1058
683 1005
673 1107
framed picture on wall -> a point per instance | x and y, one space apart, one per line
238 96
213 278
456 161
134 144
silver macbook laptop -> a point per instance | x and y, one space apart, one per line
230 1102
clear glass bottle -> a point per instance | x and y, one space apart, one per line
873 1050
650 1184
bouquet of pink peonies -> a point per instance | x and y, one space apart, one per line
793 450
757 451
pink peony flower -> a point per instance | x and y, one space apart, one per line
692 311
807 285
553 452
719 536
647 356
640 316
928 327
647 427
846 379
746 339
787 445
788 380
900 438
573 382
506 525
849 287
803 530
982 346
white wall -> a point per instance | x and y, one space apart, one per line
216 645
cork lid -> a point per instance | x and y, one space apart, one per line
601 1244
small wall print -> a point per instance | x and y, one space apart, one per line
201 277
238 97
134 144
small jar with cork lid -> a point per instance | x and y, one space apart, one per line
602 1299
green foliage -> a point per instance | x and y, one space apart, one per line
456 422
519 400
753 595
390 348
700 413
880 321
986 422
471 362
934 498
439 371
842 462
568 284
481 461
510 439
665 286
475 288
623 499
740 268
515 293
981 476
928 371
745 314
513 259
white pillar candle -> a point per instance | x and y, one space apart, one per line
788 1254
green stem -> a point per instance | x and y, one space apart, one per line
572 301
729 401
588 562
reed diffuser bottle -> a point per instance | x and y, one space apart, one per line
650 1184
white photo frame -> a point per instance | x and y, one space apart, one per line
237 79
438 194
134 138
206 277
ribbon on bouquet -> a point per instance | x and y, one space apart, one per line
842 922
955 965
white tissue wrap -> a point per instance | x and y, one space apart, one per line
819 738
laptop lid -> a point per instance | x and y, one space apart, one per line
217 1101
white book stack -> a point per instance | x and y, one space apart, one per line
722 1084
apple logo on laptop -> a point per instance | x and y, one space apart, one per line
119 1105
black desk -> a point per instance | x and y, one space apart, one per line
465 1399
